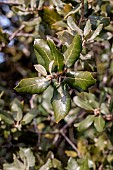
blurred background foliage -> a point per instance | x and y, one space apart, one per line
29 136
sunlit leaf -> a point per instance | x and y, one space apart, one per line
80 79
26 153
73 25
43 49
99 123
72 164
86 123
96 32
74 10
61 102
70 153
16 165
47 165
28 117
50 15
73 52
32 85
40 69
57 55
87 28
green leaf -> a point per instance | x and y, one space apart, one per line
96 32
26 154
86 101
57 55
43 49
80 79
32 85
28 117
72 164
40 69
74 10
104 109
61 102
97 20
40 60
86 123
73 51
47 165
99 123
87 28
73 25
82 103
84 164
16 107
6 117
49 15
16 165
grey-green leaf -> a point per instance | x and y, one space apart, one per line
40 60
16 108
86 123
99 123
57 55
87 28
86 101
96 32
80 79
6 117
44 51
40 69
33 85
73 25
61 102
73 51
28 117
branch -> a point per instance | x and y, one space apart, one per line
82 12
71 143
8 2
16 32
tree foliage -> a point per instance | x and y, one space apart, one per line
56 99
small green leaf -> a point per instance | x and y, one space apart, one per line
44 51
40 60
16 165
61 102
84 164
104 109
47 165
16 107
32 85
80 79
87 28
6 117
72 164
86 101
49 15
57 55
41 69
26 154
28 117
73 51
99 123
82 103
86 123
73 25
96 32
51 66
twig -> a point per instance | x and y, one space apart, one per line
11 2
82 12
16 32
70 142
